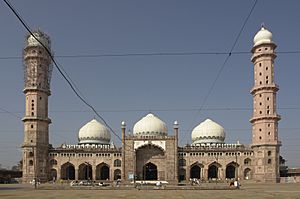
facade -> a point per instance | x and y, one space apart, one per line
150 152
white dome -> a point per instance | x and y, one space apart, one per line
150 125
208 132
262 37
94 133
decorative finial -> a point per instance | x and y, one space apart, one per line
175 124
123 124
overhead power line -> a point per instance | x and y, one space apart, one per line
59 69
224 63
150 54
3 111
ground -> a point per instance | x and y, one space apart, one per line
257 191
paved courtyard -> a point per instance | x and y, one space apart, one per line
257 191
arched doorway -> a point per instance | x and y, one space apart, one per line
230 171
85 172
182 173
195 172
150 171
154 154
213 172
67 171
102 172
247 174
53 175
117 174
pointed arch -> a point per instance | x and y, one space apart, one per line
247 174
150 171
67 171
213 170
195 171
231 169
85 171
182 174
53 175
117 174
102 171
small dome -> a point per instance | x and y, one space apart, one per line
150 125
42 37
94 133
262 37
208 132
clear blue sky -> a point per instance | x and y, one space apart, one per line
127 88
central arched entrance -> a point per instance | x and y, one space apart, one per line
150 171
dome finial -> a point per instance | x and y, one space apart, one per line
263 25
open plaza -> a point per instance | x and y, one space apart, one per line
248 190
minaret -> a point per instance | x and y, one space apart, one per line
265 119
123 126
37 75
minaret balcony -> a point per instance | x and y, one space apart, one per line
274 87
266 117
33 118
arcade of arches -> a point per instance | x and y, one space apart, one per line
85 171
212 172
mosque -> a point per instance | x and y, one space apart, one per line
151 152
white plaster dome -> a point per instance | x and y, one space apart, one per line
150 125
94 133
208 132
263 36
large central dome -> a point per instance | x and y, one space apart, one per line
94 133
150 125
208 132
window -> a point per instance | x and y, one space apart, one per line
260 74
117 163
267 68
182 162
247 161
32 113
269 153
260 137
269 161
30 163
30 154
31 126
268 98
53 162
